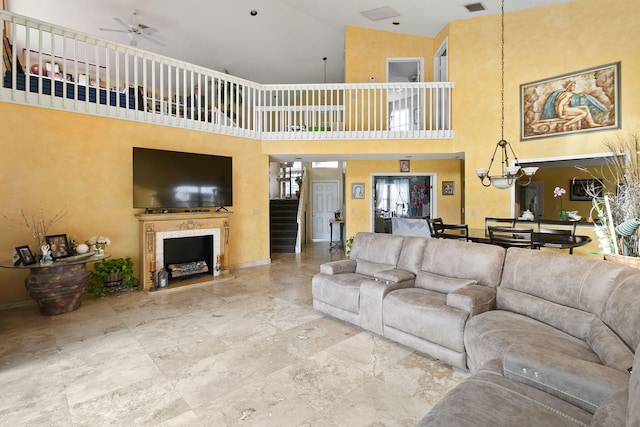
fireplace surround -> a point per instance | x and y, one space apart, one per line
155 228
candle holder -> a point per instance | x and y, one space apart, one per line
153 281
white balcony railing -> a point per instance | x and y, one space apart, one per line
49 66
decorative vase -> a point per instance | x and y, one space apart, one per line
563 215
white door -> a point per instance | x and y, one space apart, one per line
324 204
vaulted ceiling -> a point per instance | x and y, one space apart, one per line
285 41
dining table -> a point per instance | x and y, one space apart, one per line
540 240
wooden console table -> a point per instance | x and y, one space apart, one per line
57 287
152 228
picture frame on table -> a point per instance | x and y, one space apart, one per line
448 188
25 255
58 245
357 190
578 189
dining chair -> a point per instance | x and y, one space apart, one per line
511 236
454 231
435 226
504 222
543 227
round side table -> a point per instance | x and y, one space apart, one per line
58 287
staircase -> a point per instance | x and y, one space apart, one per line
284 225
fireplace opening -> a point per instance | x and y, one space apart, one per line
188 257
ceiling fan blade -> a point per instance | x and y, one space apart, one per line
111 29
152 40
121 22
147 30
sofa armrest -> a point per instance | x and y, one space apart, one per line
338 267
474 299
579 382
372 292
395 276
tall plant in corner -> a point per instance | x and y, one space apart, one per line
619 209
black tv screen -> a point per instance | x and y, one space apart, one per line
172 179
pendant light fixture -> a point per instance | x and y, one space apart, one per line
509 174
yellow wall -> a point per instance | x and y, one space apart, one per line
539 43
366 52
359 211
83 163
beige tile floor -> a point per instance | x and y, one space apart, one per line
250 351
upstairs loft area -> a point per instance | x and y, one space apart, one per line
53 67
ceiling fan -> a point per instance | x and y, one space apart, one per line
135 31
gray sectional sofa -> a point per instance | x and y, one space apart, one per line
549 338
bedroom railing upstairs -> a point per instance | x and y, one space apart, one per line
49 66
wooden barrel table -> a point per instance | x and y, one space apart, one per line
58 289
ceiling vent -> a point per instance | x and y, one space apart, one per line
475 7
380 13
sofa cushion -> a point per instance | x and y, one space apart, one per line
611 350
473 299
368 268
464 260
584 384
425 314
567 319
621 312
561 280
341 290
489 335
443 284
338 267
412 254
613 411
489 399
395 276
379 248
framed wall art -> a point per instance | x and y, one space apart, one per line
357 190
404 166
448 188
582 101
58 245
578 189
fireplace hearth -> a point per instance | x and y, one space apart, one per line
204 236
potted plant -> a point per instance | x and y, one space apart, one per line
111 274
347 245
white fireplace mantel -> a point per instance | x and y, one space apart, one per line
156 227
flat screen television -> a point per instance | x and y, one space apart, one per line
171 179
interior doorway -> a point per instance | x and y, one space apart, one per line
405 104
401 196
324 204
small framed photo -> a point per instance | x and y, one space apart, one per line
357 190
579 189
58 245
448 188
25 255
404 166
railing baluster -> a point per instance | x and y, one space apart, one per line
230 105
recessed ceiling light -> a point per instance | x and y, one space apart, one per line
253 12
396 23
